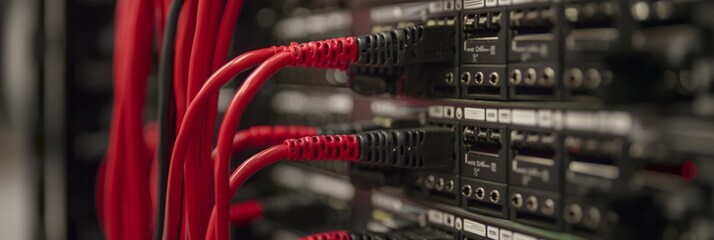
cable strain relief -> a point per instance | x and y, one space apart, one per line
408 148
410 45
336 235
329 147
331 53
271 135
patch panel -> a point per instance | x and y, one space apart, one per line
484 197
535 159
482 81
593 163
485 36
536 207
442 79
535 81
535 34
435 186
586 80
485 152
587 219
593 28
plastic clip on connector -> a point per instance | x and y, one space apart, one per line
410 148
404 46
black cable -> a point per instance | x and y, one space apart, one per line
167 110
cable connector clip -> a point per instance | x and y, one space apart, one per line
408 148
405 46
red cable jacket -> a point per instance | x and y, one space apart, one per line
184 40
127 167
336 235
230 121
265 136
198 168
188 127
225 32
247 169
335 147
160 11
331 53
246 212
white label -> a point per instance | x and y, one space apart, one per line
504 2
386 202
504 115
558 120
449 5
435 216
448 112
518 236
449 220
545 118
469 4
458 224
436 111
514 2
492 232
475 114
492 115
436 7
506 235
491 3
524 117
619 123
577 120
474 227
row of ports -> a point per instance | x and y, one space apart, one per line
591 78
575 214
533 17
480 193
531 203
432 182
486 134
533 138
546 77
590 11
479 77
578 145
483 24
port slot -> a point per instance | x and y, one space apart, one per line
534 153
484 141
482 26
442 195
483 90
540 91
594 159
488 149
591 14
485 206
535 219
443 90
533 20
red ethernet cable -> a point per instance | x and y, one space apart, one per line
198 168
184 42
336 235
188 128
331 147
127 164
333 53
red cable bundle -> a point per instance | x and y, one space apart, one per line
336 235
127 199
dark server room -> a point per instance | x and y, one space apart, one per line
357 119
